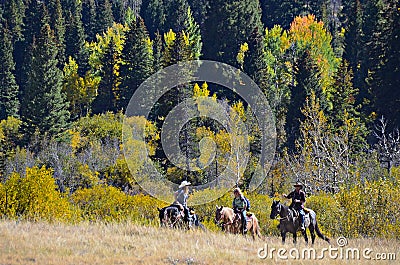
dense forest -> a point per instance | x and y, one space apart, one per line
329 69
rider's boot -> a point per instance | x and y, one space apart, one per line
244 225
190 220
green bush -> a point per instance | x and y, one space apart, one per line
106 203
34 197
102 202
370 209
328 213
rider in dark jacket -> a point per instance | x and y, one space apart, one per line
298 199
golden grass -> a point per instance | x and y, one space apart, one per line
98 243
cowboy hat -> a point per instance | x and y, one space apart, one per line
184 183
298 184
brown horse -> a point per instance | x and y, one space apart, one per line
231 222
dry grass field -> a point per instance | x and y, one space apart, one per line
98 243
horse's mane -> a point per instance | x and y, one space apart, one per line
227 208
227 212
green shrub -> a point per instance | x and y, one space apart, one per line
102 202
34 197
370 209
106 203
328 213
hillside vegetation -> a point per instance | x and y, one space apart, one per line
127 243
329 70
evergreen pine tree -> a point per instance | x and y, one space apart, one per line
199 8
369 13
255 61
44 108
108 90
192 29
344 98
152 12
74 33
345 111
35 18
157 52
175 15
279 12
384 72
229 24
14 11
308 82
57 24
330 13
119 10
104 16
89 19
176 49
354 40
9 104
19 45
137 56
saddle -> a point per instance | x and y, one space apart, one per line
238 217
296 213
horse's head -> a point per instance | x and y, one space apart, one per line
218 214
160 212
275 209
161 215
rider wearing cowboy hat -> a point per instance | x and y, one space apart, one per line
298 199
181 196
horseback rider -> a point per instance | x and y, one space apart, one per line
181 196
298 199
239 205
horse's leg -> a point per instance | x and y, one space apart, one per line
251 229
294 237
283 234
305 236
254 229
312 232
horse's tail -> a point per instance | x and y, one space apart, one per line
256 227
320 234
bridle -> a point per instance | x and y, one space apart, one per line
221 216
279 210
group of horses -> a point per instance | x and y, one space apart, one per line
230 221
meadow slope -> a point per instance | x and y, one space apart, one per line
99 243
